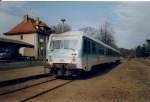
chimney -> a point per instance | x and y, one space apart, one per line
26 17
37 20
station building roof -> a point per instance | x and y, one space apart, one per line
27 26
9 42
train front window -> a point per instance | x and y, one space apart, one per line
70 44
55 44
63 44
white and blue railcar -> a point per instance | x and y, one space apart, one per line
75 51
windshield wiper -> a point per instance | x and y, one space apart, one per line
70 49
51 49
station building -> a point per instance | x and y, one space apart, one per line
34 32
13 46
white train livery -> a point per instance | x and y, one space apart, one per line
75 52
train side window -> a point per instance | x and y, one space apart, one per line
85 46
106 51
97 49
113 53
88 47
101 50
109 52
93 48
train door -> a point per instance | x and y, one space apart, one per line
86 53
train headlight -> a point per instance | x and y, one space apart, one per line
74 54
74 57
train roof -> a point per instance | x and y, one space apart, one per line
80 33
72 33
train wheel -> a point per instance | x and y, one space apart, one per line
68 73
59 73
51 71
81 73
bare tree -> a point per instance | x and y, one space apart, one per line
106 33
60 28
90 31
143 50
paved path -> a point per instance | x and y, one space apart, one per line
21 72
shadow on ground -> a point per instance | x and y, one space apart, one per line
21 80
97 70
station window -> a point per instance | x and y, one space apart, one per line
21 37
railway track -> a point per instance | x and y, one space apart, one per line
29 92
19 89
144 62
46 91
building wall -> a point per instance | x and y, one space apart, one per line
38 40
27 51
41 46
28 38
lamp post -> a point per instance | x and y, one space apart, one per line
63 21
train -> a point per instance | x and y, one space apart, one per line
75 52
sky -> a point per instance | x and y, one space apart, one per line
130 20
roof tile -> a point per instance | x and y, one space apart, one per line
28 25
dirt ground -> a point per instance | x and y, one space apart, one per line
126 82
